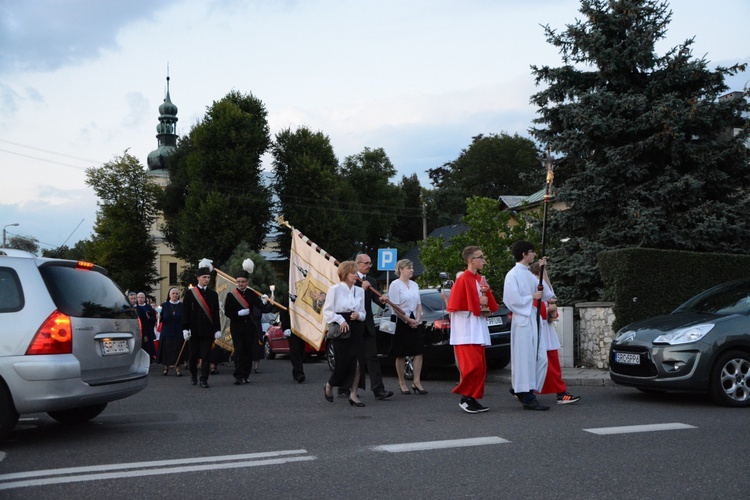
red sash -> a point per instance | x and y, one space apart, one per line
240 299
543 312
203 303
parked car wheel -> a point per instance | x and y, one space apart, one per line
77 415
267 351
409 368
8 414
730 380
330 357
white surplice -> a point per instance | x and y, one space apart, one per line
528 350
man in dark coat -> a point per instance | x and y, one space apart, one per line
238 307
364 263
200 324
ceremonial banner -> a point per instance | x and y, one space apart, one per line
311 273
224 286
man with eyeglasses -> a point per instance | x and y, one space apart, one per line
469 330
364 263
528 350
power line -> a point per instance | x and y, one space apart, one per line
43 159
50 152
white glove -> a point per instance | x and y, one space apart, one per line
287 333
243 312
186 334
264 298
217 335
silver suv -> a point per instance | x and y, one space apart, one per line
69 340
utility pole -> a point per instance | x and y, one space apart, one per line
7 225
424 220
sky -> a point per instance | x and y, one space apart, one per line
81 80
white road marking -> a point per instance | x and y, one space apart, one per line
95 473
435 445
639 428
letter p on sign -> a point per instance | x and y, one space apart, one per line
386 259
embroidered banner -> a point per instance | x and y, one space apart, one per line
311 273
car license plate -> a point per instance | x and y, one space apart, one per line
110 347
626 358
494 321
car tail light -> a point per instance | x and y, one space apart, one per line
84 265
510 316
442 324
53 337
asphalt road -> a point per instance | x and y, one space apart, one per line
275 438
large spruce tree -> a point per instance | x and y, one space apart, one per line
654 158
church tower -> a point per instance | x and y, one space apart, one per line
168 266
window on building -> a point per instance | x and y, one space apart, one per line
173 273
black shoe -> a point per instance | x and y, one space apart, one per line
194 379
358 404
479 407
468 405
383 395
325 394
246 380
237 381
535 405
300 379
417 390
204 385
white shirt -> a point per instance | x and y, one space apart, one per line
341 298
405 296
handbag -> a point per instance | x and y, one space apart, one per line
335 333
389 325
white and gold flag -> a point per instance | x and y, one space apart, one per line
311 274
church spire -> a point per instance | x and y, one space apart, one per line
166 133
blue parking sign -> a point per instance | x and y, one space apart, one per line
386 259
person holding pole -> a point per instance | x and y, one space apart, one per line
238 307
200 322
364 263
528 349
469 307
553 382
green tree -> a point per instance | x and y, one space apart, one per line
79 251
490 228
313 195
122 242
24 243
216 195
649 159
408 228
493 165
380 202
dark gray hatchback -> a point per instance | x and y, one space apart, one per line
702 346
69 340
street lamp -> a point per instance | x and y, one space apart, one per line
7 225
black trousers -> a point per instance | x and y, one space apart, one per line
200 347
243 354
373 363
296 355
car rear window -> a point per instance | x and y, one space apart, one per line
11 293
85 293
433 301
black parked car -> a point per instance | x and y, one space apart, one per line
702 346
435 329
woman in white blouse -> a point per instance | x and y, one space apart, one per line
345 305
407 341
